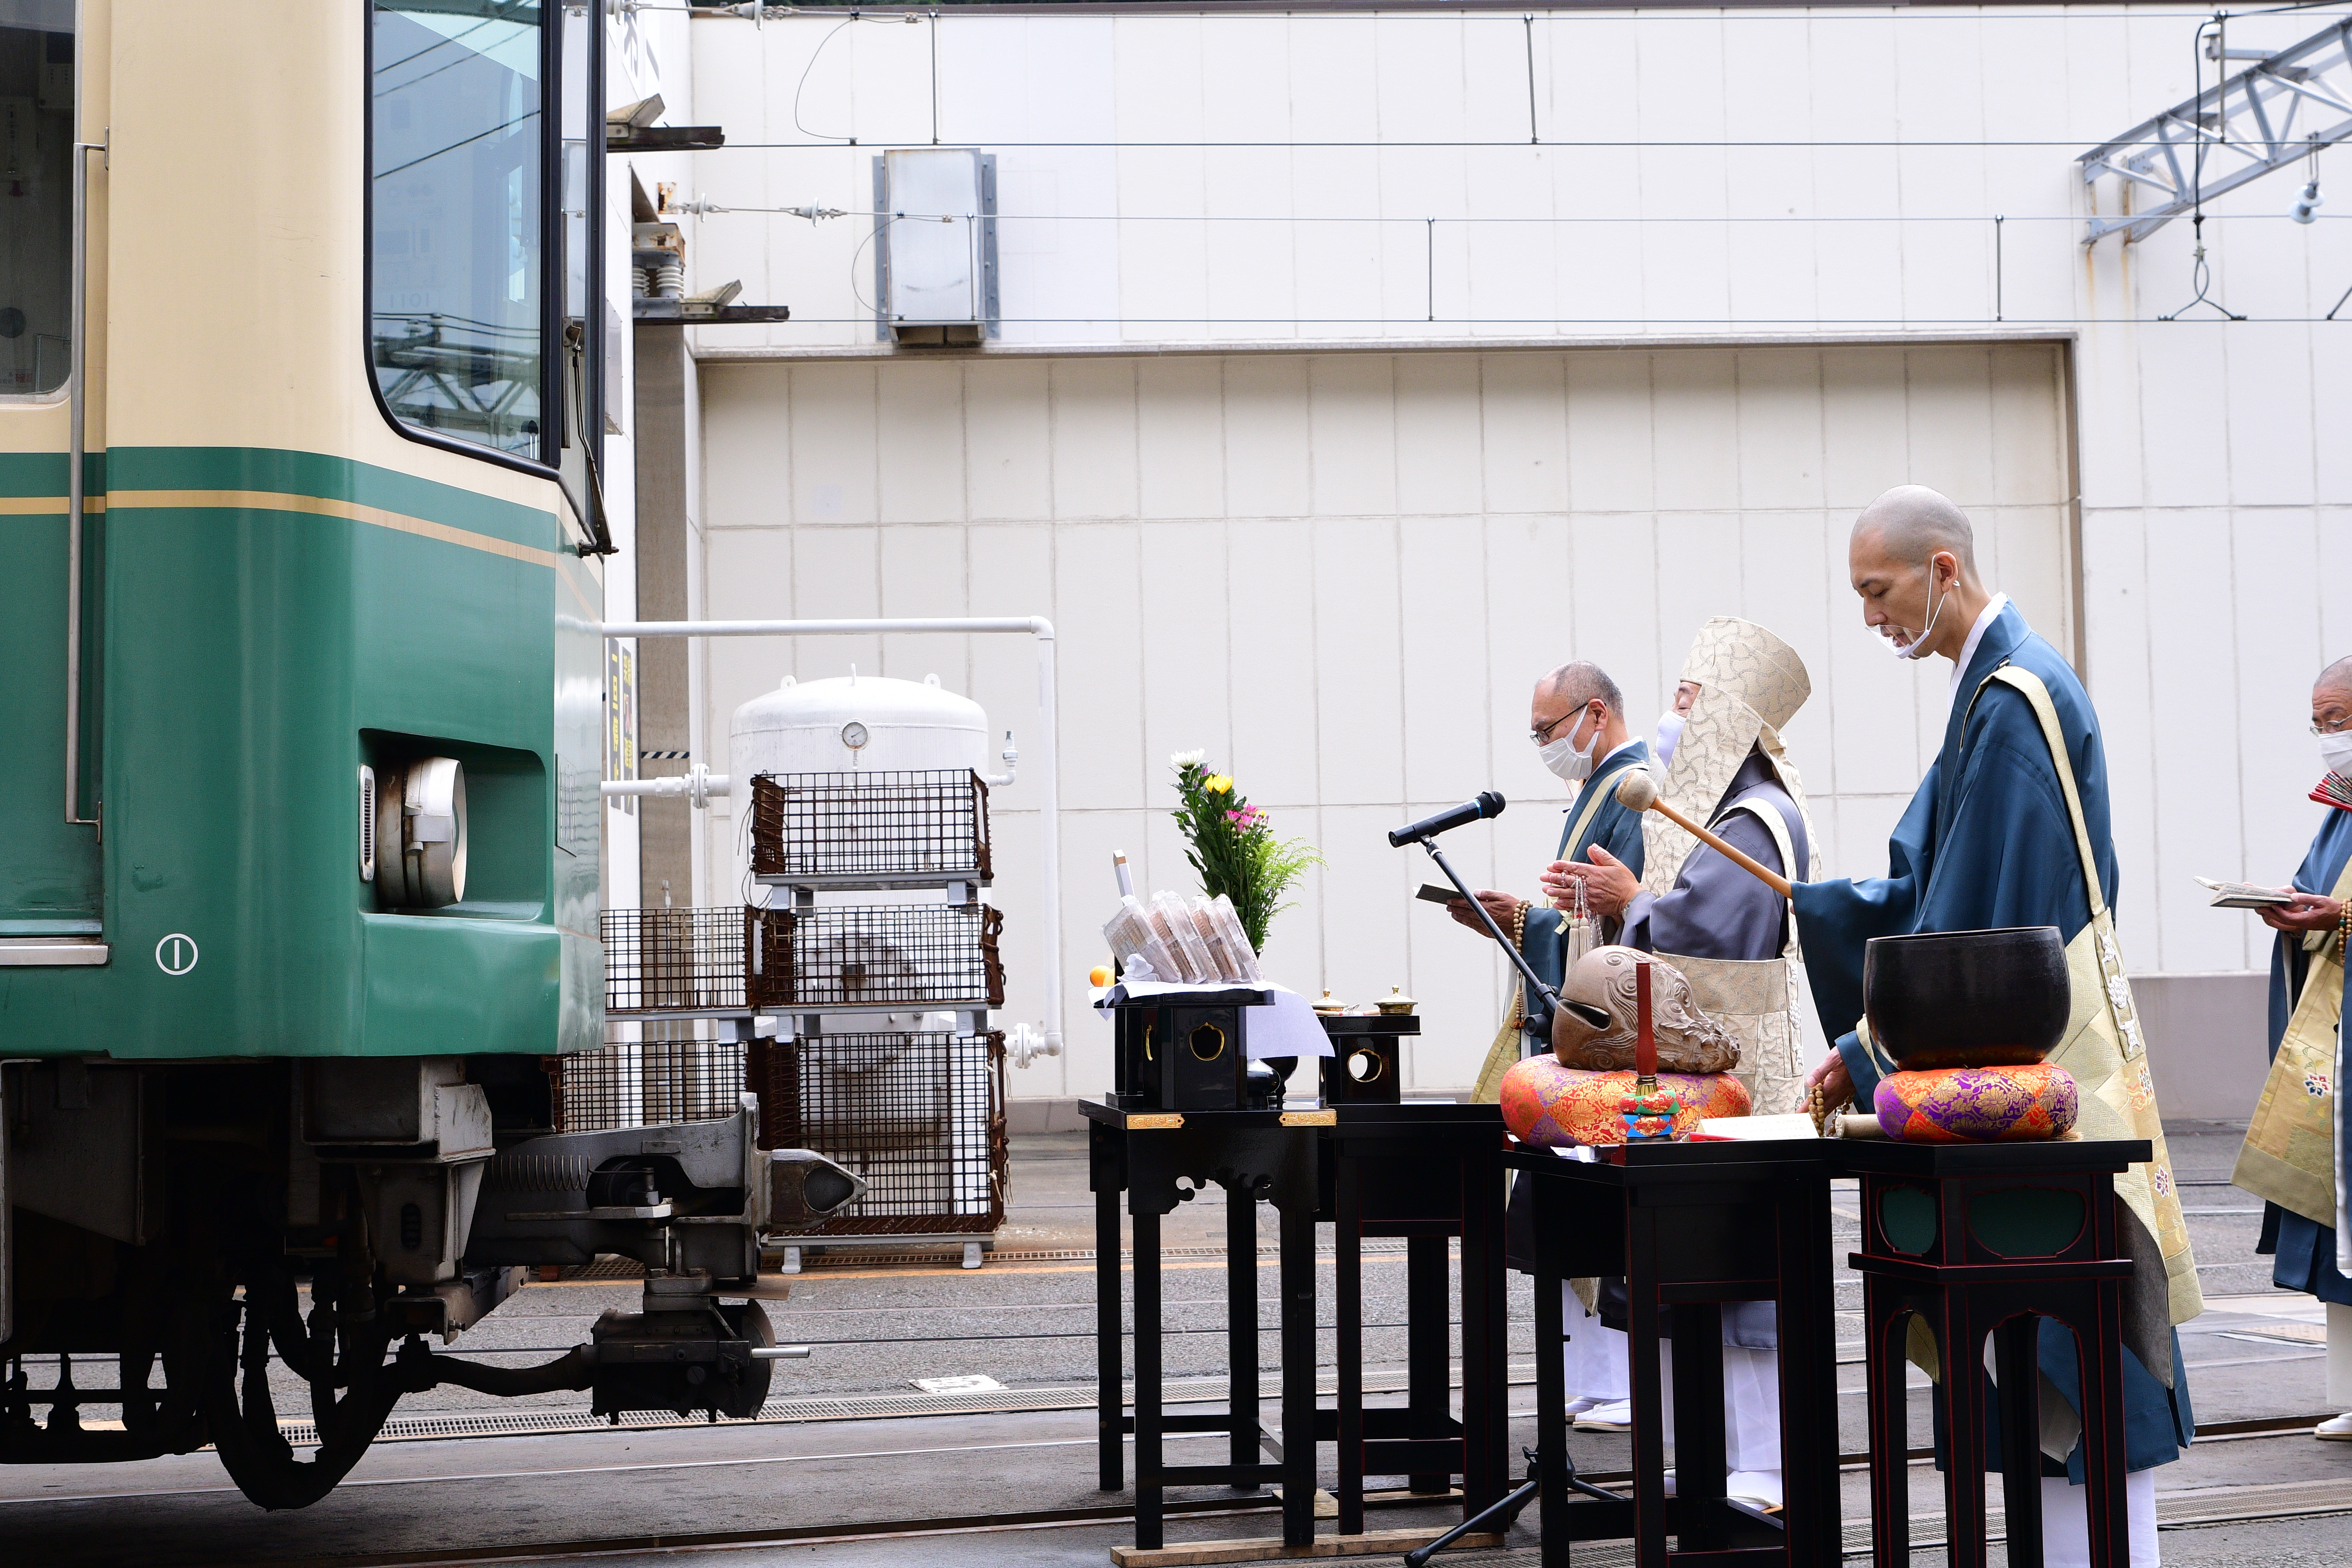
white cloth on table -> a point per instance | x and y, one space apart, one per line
1595 1353
2066 1527
1283 1026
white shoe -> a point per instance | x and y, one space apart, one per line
1579 1406
1758 1488
2338 1430
1616 1417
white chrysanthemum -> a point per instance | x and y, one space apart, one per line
1182 760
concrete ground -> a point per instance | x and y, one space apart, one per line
1028 1324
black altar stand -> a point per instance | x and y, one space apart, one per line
1983 1238
1254 1155
1428 1172
1691 1225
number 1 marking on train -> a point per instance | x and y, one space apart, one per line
176 953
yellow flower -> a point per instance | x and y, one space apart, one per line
1218 783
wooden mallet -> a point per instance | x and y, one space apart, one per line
1637 791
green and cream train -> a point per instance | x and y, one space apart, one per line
301 359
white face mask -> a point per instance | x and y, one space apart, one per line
1570 765
1917 646
1670 731
2336 751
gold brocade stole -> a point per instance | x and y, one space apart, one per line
2289 1155
2104 1050
1757 1000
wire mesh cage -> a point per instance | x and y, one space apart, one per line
847 829
862 955
686 961
920 1116
638 1083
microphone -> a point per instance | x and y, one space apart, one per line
1488 804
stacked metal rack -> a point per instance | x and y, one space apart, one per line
882 1058
680 977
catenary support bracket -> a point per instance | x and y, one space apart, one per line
2269 116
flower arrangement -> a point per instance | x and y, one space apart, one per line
1231 844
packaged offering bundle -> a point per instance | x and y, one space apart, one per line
1194 942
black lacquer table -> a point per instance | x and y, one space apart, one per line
1984 1239
1691 1227
1160 1159
1428 1172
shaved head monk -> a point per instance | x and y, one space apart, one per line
2011 829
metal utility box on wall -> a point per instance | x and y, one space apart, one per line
935 246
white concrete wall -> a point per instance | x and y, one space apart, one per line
1341 574
1237 509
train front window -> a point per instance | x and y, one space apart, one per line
457 310
36 101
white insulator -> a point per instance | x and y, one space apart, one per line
1025 1043
641 282
668 280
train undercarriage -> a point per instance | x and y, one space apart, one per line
169 1228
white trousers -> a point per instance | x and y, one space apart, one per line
1751 1419
1595 1353
2339 1356
2066 1530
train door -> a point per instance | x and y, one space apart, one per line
50 808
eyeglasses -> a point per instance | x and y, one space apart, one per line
1543 737
2332 726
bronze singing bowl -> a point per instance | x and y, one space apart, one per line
1966 998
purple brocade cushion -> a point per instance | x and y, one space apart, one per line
1977 1105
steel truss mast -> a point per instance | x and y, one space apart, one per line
2275 111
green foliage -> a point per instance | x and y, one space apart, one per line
1230 845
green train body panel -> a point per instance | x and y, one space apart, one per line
253 643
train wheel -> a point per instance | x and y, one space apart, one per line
750 1321
341 1348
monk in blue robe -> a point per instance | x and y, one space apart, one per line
2304 1249
1988 841
1577 721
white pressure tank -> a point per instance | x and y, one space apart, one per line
865 724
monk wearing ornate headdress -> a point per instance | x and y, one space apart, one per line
1731 936
1728 933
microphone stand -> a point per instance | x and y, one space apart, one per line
1507 1507
1535 983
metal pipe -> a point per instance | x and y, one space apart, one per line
1049 802
679 784
77 406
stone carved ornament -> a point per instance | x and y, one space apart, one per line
1688 1040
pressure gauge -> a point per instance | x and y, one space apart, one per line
852 735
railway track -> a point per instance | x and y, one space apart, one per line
2195 1508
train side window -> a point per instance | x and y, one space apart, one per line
37 103
458 310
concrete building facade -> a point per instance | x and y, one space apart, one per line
1352 370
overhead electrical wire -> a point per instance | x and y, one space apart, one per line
1810 326
1580 145
1792 12
1422 219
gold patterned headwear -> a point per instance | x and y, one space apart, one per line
1750 685
1751 664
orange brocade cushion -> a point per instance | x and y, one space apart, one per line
1552 1106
